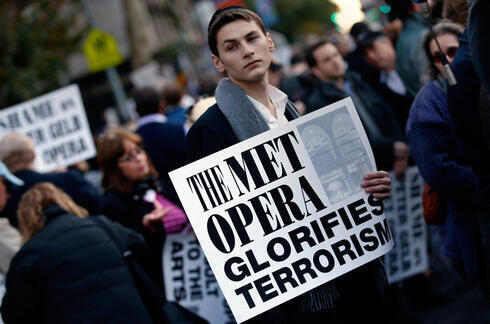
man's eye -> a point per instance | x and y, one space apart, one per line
252 38
230 48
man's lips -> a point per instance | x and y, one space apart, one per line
251 63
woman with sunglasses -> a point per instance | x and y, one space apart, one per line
437 152
133 194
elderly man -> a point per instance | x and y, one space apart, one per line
17 153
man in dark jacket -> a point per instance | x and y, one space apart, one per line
163 141
17 152
71 272
379 52
247 106
333 84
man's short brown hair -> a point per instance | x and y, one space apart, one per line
223 17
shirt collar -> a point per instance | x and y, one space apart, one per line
279 100
152 118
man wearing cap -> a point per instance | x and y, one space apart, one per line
9 237
247 106
379 52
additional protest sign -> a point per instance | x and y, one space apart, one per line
283 212
190 281
57 124
404 212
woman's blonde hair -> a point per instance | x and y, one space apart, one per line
36 200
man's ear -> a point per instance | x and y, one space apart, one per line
270 43
218 64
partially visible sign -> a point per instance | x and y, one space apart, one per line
404 212
101 51
57 124
190 281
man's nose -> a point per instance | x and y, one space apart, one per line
247 49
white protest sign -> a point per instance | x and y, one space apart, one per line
283 212
57 124
404 212
190 281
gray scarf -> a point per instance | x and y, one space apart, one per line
244 119
247 122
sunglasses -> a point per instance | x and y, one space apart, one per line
450 52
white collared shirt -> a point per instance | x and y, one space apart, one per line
279 100
152 118
393 81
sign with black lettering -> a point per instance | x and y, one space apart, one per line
57 124
189 280
283 212
404 212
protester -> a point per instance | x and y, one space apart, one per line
17 152
246 106
333 83
9 236
379 52
410 59
133 193
464 106
437 152
480 53
356 61
172 95
68 269
163 141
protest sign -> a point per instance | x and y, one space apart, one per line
57 124
283 212
404 212
189 280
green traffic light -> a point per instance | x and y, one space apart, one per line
334 17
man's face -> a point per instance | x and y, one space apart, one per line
244 51
329 63
380 54
3 193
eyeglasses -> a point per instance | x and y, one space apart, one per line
131 156
450 52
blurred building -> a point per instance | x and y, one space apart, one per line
170 33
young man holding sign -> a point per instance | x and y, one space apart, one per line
247 106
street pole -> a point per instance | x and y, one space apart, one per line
111 73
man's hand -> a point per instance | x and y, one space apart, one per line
377 183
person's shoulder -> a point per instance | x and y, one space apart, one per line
151 130
211 116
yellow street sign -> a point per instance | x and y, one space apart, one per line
101 51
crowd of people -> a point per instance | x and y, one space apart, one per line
64 262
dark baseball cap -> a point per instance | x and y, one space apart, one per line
368 37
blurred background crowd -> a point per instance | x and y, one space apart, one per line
159 79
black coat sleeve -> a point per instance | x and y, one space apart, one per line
203 140
19 304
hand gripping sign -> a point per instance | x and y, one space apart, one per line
283 212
